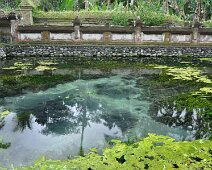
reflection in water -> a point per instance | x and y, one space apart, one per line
73 117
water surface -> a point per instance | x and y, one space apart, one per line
69 118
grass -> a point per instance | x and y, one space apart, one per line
208 23
116 17
74 14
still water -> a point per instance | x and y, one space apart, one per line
66 120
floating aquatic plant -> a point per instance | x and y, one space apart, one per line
184 73
4 113
10 68
19 65
205 92
206 59
45 68
188 74
47 63
23 66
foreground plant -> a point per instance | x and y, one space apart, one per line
153 152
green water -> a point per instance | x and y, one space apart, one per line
67 118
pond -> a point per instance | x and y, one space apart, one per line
58 109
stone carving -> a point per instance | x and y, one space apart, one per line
2 14
77 24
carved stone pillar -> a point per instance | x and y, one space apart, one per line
167 37
77 33
138 30
13 26
45 35
25 12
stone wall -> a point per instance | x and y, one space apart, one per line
2 53
104 52
114 35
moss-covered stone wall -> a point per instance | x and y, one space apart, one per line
134 53
2 53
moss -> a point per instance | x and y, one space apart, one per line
45 68
105 65
23 66
10 68
13 85
19 66
181 88
73 14
47 63
187 74
206 59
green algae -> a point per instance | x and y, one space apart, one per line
10 68
23 66
47 63
16 84
183 89
207 90
206 59
45 68
3 113
187 73
19 66
204 92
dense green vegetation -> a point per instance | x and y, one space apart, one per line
157 12
153 152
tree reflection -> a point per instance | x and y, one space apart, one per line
73 111
3 145
64 117
24 121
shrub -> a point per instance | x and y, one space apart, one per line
207 23
122 18
153 152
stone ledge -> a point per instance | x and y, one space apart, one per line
101 51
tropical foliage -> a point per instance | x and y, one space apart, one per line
184 9
153 152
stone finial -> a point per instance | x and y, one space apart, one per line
25 12
168 23
138 22
107 25
25 3
12 16
76 21
2 14
196 21
197 24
